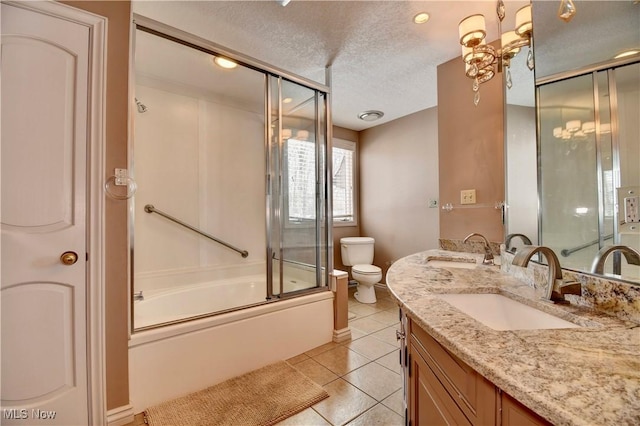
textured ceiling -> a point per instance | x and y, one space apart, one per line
380 59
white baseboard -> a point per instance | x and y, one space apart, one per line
120 416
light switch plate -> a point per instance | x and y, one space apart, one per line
468 196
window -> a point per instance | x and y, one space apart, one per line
301 178
343 182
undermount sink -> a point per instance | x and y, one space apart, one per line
455 262
502 313
440 263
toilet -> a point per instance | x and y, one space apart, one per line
357 252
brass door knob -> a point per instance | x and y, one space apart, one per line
68 258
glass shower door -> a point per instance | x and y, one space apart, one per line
568 151
589 136
297 189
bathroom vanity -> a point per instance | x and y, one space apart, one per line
467 366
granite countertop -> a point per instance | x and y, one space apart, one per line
577 376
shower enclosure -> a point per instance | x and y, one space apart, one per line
231 165
589 161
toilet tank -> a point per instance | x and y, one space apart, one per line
357 250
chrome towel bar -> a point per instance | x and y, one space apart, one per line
149 208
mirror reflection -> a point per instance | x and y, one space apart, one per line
520 139
588 135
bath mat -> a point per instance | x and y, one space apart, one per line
261 397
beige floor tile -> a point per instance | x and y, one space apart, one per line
395 402
316 372
378 416
357 334
308 417
297 359
324 348
341 360
391 361
386 304
370 347
362 310
375 380
386 317
388 335
345 402
366 324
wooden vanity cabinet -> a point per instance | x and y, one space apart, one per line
443 390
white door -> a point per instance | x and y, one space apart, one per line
45 89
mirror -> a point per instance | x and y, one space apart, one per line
605 99
520 139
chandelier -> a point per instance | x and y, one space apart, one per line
481 59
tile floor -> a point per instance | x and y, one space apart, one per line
362 376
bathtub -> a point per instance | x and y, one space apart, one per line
175 296
170 361
166 305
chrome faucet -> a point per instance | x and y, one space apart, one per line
488 255
137 295
507 242
632 256
556 287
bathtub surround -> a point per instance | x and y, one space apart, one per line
261 397
172 361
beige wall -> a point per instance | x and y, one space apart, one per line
344 231
398 176
116 251
471 152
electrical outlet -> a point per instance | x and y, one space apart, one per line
468 196
631 210
433 203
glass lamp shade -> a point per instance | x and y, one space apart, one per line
557 132
574 125
588 127
524 26
605 128
472 30
509 42
302 135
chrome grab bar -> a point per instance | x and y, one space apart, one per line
149 208
567 252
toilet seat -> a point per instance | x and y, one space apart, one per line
366 269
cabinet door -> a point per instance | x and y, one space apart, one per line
474 395
430 403
514 413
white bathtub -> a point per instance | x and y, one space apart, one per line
160 306
174 360
179 301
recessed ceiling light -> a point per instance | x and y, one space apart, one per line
626 53
421 18
287 100
224 62
370 115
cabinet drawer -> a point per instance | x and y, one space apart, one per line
475 395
